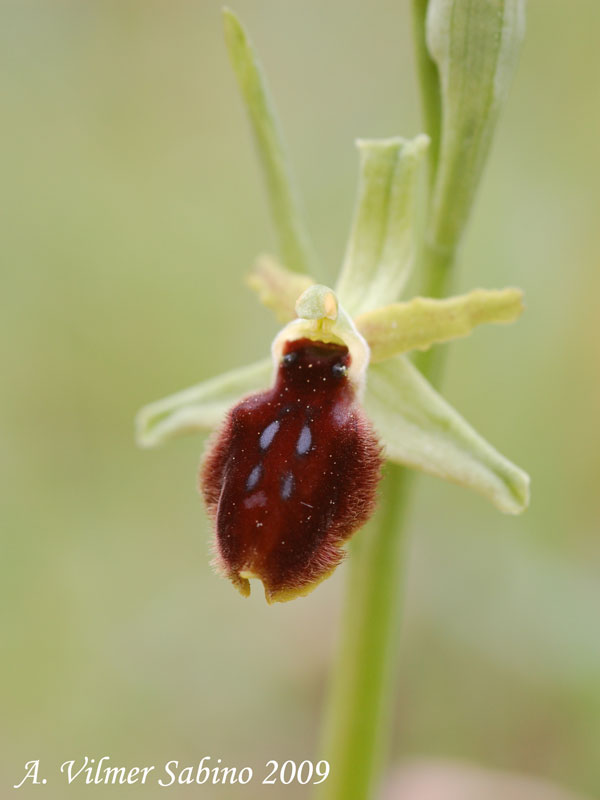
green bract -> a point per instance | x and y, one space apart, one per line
475 47
416 425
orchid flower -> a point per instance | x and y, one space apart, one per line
280 513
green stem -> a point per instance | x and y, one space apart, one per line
360 707
362 692
362 689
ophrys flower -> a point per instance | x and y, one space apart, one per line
287 481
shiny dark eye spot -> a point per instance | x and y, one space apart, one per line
254 477
287 486
289 359
339 370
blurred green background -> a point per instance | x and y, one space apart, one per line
132 207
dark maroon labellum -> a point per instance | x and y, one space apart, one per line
292 474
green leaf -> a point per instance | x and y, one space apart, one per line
296 251
380 249
277 288
418 324
421 430
201 407
475 46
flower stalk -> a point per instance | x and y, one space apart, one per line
362 685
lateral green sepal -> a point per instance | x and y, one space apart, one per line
201 407
419 429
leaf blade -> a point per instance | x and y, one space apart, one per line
296 250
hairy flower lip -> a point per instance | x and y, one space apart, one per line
292 474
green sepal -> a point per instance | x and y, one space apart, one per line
380 250
295 248
201 407
416 325
277 288
419 429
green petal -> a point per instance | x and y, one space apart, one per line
421 430
277 288
401 327
201 407
379 254
285 207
